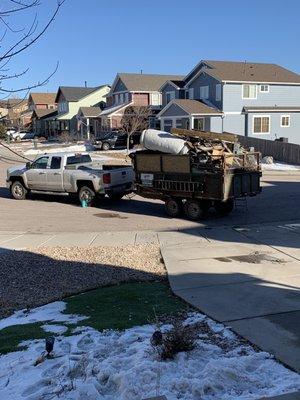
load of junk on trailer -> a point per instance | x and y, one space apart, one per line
206 149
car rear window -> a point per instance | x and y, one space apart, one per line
79 159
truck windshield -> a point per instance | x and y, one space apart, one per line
79 159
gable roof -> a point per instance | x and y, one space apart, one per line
42 98
90 112
43 113
75 93
232 71
193 107
145 82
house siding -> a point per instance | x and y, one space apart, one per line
234 124
140 99
280 95
206 80
120 86
174 110
276 130
169 88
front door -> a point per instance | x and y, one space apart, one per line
54 175
36 175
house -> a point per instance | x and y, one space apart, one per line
133 90
69 101
251 99
41 105
11 111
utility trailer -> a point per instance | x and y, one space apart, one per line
190 184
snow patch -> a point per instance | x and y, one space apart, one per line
50 312
60 329
279 167
114 365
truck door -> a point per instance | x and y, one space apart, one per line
54 175
36 175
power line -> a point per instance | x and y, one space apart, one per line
14 152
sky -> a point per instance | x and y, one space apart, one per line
93 40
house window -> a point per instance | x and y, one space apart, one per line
168 124
264 88
261 124
170 96
199 124
178 123
126 97
204 92
122 98
249 92
116 99
191 93
218 92
186 94
285 121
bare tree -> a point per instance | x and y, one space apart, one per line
15 40
135 119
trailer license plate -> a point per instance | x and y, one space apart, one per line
147 179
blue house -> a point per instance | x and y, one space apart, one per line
251 99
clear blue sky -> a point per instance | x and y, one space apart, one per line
95 39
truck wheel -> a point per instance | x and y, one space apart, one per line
224 207
18 191
116 196
193 210
173 207
105 146
86 194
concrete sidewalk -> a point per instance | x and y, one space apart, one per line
23 240
247 278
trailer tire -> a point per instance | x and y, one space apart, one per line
105 146
173 207
88 194
224 207
193 210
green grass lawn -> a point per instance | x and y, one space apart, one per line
115 307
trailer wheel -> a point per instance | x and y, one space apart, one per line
173 207
224 207
193 210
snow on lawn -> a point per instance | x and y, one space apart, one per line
280 167
50 312
115 365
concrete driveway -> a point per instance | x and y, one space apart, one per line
247 277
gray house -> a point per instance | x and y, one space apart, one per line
251 99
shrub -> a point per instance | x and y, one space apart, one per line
179 338
3 134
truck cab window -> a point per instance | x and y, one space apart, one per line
40 163
55 163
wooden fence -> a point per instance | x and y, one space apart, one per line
280 151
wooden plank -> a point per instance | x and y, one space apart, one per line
227 137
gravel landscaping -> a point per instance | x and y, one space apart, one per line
37 276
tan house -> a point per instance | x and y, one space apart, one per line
132 90
11 111
41 105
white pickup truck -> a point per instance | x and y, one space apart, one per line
70 173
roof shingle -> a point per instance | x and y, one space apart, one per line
146 82
43 98
250 72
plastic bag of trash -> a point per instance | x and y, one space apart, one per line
165 142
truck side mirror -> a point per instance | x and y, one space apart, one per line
28 165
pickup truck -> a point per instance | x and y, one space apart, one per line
70 173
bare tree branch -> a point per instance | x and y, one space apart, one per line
135 119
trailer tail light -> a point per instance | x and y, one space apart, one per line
106 178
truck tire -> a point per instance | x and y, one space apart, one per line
88 194
224 207
173 207
193 210
18 190
105 146
116 196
